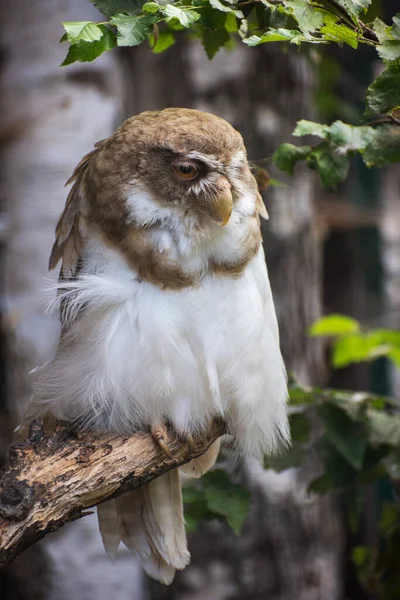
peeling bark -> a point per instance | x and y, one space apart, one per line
54 478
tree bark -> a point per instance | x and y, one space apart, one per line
52 479
50 117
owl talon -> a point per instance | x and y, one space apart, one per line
190 443
159 434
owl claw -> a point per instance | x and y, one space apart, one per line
190 442
159 434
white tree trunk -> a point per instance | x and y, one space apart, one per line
52 116
390 232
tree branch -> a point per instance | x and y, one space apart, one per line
52 479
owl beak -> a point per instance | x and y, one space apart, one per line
223 201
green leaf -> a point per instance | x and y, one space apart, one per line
289 459
304 127
366 346
195 504
354 7
308 16
331 165
87 51
390 45
340 34
384 427
381 30
287 155
228 9
361 555
337 467
226 499
384 93
321 485
299 427
132 30
349 437
334 324
350 138
276 35
389 517
384 148
151 7
385 336
165 40
231 23
350 349
185 17
394 356
82 31
389 50
299 395
114 7
354 405
214 41
215 19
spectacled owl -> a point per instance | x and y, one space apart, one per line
166 311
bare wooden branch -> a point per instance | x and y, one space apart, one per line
54 478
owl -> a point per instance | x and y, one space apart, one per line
166 311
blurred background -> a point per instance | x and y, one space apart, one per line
326 252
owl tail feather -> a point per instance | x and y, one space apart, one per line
149 521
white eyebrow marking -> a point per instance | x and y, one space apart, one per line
237 159
209 159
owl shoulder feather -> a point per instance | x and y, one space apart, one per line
72 224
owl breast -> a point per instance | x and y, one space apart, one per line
137 355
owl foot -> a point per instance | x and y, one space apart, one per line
190 442
160 435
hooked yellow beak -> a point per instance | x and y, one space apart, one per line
223 201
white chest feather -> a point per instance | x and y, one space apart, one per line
138 354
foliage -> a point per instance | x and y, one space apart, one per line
356 437
256 21
216 496
219 22
352 344
378 146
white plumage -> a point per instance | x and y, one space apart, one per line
140 354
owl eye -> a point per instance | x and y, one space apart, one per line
185 171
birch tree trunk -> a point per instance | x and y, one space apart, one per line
291 546
391 258
51 117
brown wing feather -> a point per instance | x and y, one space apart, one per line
71 225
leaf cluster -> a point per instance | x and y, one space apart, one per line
378 146
215 496
218 22
353 344
356 437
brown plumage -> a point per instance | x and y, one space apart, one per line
139 153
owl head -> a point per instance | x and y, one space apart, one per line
162 168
